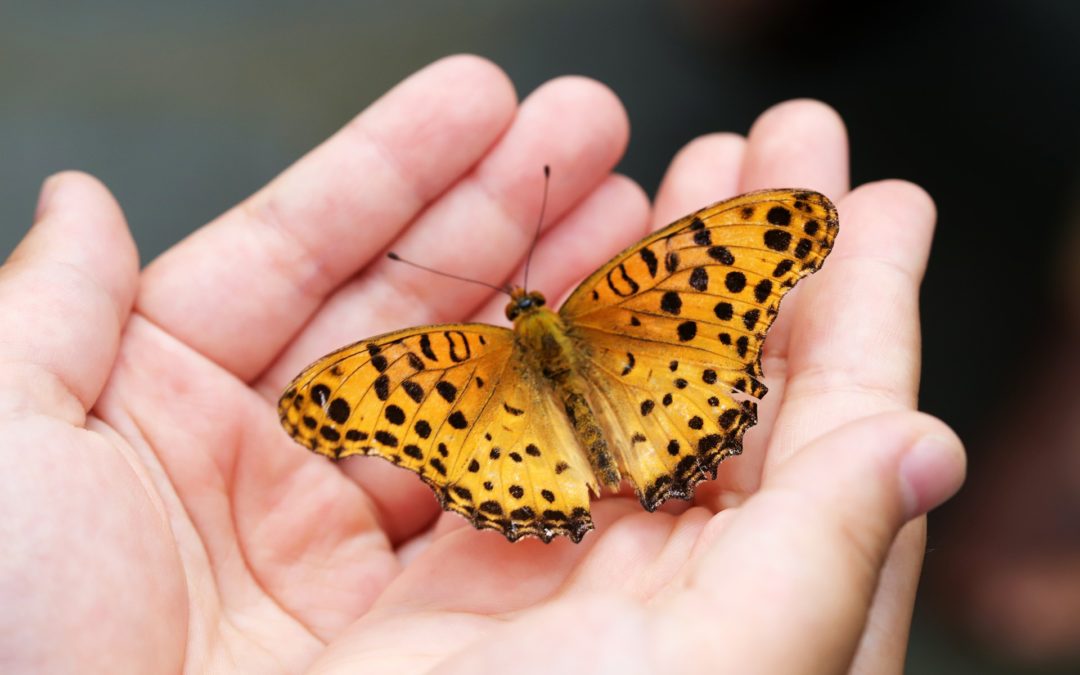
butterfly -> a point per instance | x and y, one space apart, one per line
648 373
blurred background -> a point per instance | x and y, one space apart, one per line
185 108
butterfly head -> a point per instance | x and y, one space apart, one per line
523 302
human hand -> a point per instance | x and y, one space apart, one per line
155 517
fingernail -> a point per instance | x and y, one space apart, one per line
930 473
44 195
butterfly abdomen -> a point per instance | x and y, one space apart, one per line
555 357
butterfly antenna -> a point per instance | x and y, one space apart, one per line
539 223
395 256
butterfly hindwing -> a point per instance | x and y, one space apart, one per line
671 416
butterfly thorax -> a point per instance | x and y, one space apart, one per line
549 351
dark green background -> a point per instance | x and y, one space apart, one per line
185 108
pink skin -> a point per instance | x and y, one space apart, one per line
175 526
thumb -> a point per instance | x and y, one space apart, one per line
797 565
65 294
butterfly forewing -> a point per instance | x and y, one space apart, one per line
673 328
454 404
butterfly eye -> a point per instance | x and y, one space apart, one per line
539 301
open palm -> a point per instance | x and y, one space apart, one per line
155 517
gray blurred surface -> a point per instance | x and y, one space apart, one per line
183 109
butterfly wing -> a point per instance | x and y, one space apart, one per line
454 404
673 327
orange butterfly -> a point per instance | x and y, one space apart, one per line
647 373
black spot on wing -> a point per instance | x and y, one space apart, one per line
762 290
415 361
329 433
699 278
778 215
671 303
649 258
319 394
422 428
750 318
803 248
380 362
386 438
414 390
394 414
722 255
777 240
631 286
425 348
671 262
339 410
458 353
463 493
447 390
687 330
457 420
382 387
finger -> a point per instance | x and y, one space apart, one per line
239 288
857 351
65 295
800 143
796 144
832 514
884 643
706 170
482 227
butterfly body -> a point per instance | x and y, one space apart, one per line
648 373
546 346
